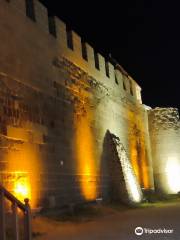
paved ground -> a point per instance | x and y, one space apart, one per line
116 225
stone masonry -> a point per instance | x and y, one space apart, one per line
59 97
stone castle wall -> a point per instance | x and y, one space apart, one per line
164 128
56 108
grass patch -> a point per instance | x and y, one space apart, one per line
89 212
79 213
153 197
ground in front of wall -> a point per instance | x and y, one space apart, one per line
113 222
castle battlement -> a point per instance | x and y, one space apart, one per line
72 126
69 44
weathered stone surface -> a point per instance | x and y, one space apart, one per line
56 109
164 128
124 185
164 118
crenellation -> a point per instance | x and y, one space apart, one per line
107 69
41 15
77 48
119 77
30 9
69 38
111 72
138 93
134 91
59 106
84 50
102 64
126 79
124 83
93 62
52 26
96 60
90 54
61 32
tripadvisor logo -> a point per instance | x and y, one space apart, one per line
139 231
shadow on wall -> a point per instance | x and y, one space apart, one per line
123 185
111 168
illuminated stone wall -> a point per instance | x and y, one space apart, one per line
165 138
56 108
124 185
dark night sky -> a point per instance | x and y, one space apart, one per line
143 36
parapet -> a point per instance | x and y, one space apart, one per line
71 46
